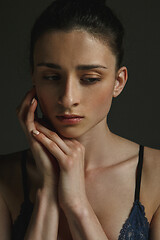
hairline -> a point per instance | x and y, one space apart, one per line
97 36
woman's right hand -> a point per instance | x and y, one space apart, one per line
46 164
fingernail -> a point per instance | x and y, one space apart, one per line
35 132
33 100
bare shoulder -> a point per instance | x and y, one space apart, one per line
10 176
151 174
8 165
152 162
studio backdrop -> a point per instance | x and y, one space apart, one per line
135 114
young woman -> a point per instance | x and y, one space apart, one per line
77 180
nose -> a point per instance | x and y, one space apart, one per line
69 93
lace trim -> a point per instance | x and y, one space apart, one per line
136 227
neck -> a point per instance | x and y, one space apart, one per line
98 143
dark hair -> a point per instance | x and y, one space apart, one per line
90 15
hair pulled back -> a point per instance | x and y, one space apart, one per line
92 16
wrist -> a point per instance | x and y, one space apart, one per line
47 195
78 208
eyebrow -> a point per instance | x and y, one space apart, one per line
79 67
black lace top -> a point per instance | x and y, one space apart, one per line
136 227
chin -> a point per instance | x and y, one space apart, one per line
70 133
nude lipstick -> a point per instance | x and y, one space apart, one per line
70 119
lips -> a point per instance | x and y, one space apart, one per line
69 116
70 119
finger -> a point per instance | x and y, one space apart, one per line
26 114
25 103
28 92
30 124
53 137
51 146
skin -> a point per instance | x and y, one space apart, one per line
78 166
73 95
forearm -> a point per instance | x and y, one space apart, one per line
84 224
45 218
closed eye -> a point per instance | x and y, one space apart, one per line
90 80
84 80
52 78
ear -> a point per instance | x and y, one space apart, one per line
120 82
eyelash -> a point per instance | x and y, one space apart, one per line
84 80
91 80
50 77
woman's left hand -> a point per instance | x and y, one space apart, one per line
70 157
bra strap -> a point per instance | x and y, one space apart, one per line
24 176
139 173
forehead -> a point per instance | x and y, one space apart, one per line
73 47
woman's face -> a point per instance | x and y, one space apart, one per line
74 73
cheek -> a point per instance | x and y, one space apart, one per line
46 100
102 101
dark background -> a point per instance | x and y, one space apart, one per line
135 114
